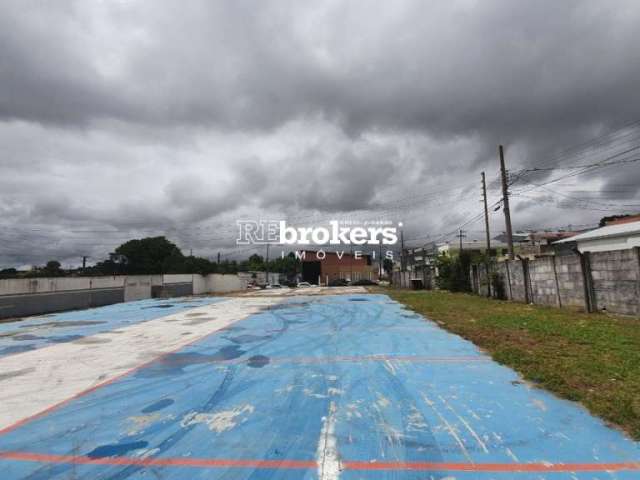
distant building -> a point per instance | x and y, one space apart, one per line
518 237
543 243
321 267
419 266
452 248
618 219
618 236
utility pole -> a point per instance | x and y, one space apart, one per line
351 263
505 202
266 264
401 251
486 229
486 215
461 235
84 263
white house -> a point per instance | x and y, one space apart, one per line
612 237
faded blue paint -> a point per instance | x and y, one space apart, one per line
278 372
36 332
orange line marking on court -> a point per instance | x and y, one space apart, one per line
310 464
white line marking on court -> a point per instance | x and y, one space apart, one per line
329 465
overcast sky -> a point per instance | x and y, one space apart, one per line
121 119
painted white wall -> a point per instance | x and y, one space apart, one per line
609 243
16 286
177 278
219 283
137 287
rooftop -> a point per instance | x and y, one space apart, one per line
617 230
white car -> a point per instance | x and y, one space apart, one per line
304 285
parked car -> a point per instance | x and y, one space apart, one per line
273 285
305 285
364 281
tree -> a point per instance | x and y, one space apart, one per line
151 255
255 262
288 265
8 273
453 273
52 269
387 265
604 220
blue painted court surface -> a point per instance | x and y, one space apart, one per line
36 332
349 387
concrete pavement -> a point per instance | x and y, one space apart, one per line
319 386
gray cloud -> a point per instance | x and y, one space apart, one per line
138 117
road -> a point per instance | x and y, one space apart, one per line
312 386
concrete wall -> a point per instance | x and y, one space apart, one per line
516 281
594 281
220 283
615 278
542 278
570 281
17 286
32 296
137 287
38 303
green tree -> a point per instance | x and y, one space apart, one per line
288 265
151 255
8 273
53 269
387 265
453 273
255 262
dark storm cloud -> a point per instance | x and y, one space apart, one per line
161 114
500 67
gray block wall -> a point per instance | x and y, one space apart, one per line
517 281
570 281
616 281
609 280
543 282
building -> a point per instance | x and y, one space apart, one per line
618 236
452 249
416 267
322 267
618 219
543 243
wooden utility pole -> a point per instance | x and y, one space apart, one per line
486 230
461 235
351 263
486 215
505 202
401 251
266 264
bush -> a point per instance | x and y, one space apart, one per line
453 273
497 286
